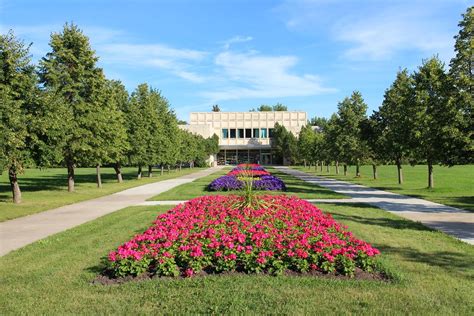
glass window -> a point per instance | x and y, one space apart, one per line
232 133
248 133
256 133
225 133
240 133
270 132
263 133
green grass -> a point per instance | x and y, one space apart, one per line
46 189
53 276
453 186
294 187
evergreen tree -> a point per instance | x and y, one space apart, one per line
216 108
461 74
279 107
17 94
320 122
349 142
437 129
264 108
69 75
396 120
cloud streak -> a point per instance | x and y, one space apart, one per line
177 61
236 39
252 75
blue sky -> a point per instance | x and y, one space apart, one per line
306 54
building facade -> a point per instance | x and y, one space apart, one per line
244 136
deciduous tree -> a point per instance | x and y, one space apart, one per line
17 93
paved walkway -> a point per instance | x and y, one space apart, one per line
22 231
453 221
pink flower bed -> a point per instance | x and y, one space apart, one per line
209 234
248 173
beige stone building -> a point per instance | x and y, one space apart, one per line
244 136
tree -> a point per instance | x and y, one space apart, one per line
372 135
320 122
331 133
69 75
349 142
269 108
437 127
144 128
396 121
216 108
305 143
212 145
285 144
17 93
461 75
279 107
113 132
264 108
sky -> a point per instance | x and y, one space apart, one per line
306 54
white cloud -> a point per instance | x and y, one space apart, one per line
370 30
237 39
380 37
176 61
253 75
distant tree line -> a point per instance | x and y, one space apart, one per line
65 112
426 117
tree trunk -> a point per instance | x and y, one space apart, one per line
321 167
180 166
168 168
162 169
118 172
374 169
16 192
337 167
70 177
327 167
400 172
430 175
139 174
357 170
345 170
99 178
150 171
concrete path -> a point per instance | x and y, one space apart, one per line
453 221
22 231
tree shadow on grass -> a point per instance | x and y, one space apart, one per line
383 221
453 262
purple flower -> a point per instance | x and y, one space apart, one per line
269 183
226 183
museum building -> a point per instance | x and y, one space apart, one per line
244 136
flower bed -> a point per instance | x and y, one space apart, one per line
226 183
231 183
210 234
248 173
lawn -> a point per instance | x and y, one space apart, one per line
46 189
294 187
53 276
453 186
